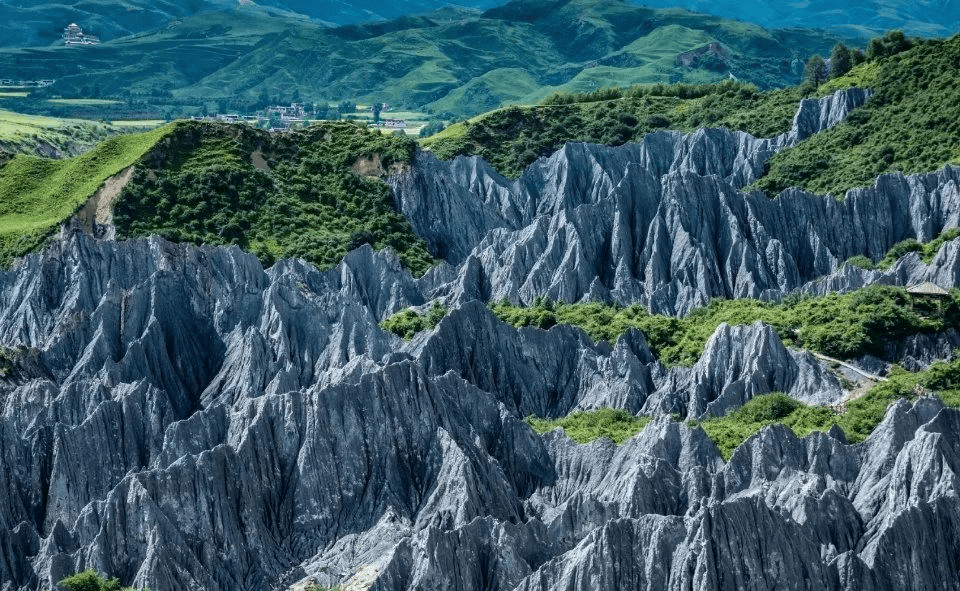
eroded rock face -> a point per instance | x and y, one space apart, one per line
183 419
665 222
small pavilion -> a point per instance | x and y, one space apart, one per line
930 293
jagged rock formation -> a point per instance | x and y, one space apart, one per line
181 418
663 222
555 372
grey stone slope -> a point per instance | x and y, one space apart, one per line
183 419
663 222
550 373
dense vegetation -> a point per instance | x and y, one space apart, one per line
584 427
927 251
37 194
512 138
300 194
857 418
910 125
91 580
407 323
843 326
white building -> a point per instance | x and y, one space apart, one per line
73 35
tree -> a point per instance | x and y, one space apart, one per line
90 580
377 109
857 57
816 71
346 108
841 60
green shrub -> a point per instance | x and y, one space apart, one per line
857 419
204 186
586 426
91 580
861 262
843 326
910 125
407 323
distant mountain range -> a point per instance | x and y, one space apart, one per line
39 22
455 61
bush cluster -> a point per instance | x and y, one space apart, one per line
927 251
583 427
910 125
407 323
304 199
839 325
512 138
857 419
91 580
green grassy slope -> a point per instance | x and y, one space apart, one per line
857 418
277 195
451 61
30 134
843 326
36 194
513 137
911 125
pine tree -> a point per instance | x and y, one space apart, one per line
841 61
816 71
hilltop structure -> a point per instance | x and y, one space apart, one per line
73 35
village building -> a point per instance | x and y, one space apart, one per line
394 123
73 35
294 111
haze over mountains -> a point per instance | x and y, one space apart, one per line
916 17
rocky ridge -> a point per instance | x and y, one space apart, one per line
666 222
184 419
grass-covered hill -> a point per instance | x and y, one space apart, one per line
867 17
911 124
453 61
50 136
513 137
312 194
37 194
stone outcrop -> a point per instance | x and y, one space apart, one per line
664 222
181 418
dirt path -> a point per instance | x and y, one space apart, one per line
852 368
